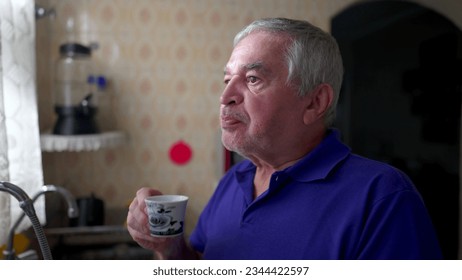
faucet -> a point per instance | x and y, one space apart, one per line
72 212
27 206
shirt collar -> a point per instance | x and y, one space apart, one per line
321 160
314 166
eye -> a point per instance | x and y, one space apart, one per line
252 79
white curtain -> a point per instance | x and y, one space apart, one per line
20 154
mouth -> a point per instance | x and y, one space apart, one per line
230 120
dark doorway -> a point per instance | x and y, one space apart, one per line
401 99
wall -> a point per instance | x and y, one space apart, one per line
164 60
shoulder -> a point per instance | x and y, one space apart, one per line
376 180
376 170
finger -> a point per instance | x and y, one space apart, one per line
137 218
142 193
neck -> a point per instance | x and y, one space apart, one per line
266 167
261 181
263 176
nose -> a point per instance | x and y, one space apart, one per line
232 94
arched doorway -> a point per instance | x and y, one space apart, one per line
401 99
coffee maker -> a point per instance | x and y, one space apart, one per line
75 101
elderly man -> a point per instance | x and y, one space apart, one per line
300 193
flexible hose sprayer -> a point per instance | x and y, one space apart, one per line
27 205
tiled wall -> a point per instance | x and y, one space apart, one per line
164 60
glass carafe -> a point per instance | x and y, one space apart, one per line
75 103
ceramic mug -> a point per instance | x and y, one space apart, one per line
166 214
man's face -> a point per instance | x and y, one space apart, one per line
260 111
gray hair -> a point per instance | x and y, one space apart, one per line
312 58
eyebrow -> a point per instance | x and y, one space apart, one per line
250 66
253 65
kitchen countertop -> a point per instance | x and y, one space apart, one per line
87 235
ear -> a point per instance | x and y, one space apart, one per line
318 101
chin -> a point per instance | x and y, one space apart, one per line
229 142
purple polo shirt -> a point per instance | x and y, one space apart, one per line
331 204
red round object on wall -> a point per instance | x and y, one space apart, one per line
180 153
